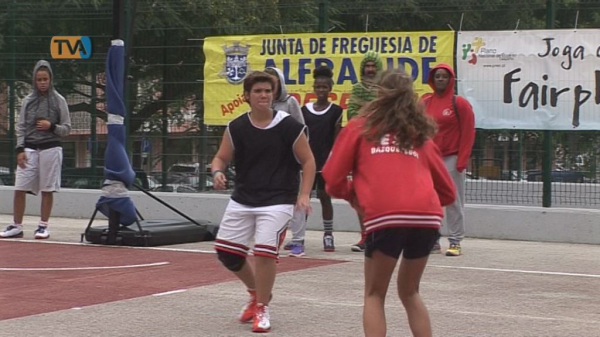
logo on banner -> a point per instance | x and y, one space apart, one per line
470 50
236 65
71 47
476 50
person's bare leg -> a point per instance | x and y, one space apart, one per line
409 278
19 206
47 202
266 270
246 275
326 206
378 272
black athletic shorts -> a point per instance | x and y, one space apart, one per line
412 243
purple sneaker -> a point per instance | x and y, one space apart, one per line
297 250
289 245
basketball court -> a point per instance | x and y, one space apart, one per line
498 288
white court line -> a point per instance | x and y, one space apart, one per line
517 271
85 244
320 303
87 268
170 292
537 318
213 252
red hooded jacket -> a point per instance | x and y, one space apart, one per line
394 187
456 135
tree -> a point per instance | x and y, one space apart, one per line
166 59
160 37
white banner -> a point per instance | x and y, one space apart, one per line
535 80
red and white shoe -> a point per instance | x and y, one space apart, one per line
248 311
262 320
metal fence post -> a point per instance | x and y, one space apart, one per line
520 156
126 15
93 147
165 113
323 19
547 156
11 94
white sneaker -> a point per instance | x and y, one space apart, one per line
41 233
262 319
12 231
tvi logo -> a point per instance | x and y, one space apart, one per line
71 47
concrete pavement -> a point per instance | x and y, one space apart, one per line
498 288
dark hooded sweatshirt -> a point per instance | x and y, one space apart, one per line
456 133
51 106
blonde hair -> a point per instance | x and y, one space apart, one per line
396 111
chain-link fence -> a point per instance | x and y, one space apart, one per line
506 168
28 29
168 139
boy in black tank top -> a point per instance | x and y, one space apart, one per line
270 149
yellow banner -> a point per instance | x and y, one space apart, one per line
230 58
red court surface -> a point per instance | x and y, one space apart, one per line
39 278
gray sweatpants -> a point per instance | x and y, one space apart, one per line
455 213
298 225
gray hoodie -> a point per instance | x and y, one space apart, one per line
51 106
286 102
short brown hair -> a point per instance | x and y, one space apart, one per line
257 77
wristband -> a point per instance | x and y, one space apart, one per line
215 172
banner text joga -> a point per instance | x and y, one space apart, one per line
532 79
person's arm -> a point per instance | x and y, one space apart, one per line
340 163
307 161
467 132
219 163
338 125
442 181
21 128
63 128
294 110
354 103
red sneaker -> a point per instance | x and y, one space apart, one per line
248 311
262 320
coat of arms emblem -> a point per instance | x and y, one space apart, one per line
236 65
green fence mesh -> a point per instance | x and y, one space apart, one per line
167 137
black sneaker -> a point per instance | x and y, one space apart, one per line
328 244
360 246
